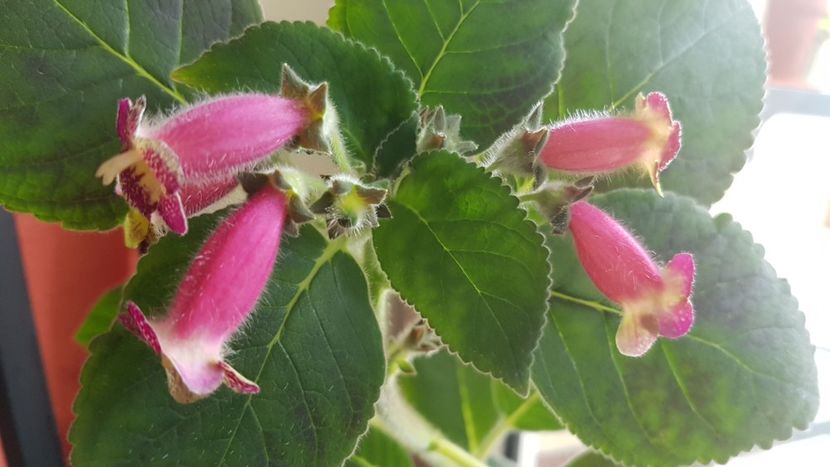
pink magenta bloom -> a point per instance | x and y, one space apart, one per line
219 290
648 138
654 302
197 146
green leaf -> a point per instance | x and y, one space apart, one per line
377 449
471 409
744 376
453 397
65 65
100 318
313 345
372 99
488 61
461 252
527 414
707 57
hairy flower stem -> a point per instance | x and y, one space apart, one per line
341 154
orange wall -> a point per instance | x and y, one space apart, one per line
66 272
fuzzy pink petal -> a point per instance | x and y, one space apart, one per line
127 120
236 382
614 260
683 266
599 145
224 281
135 322
677 322
122 123
230 133
633 339
658 102
196 197
672 147
172 212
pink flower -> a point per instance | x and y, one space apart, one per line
219 290
654 302
648 138
140 232
200 146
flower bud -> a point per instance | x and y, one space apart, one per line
654 302
196 147
220 289
350 206
441 131
648 138
516 151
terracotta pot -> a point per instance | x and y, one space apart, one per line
791 27
66 272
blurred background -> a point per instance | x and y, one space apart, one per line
782 196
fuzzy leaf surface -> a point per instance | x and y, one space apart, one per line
489 61
460 250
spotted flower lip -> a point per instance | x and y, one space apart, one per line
648 138
201 145
654 302
219 291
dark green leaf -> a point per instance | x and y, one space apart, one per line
745 375
453 397
379 450
489 61
313 345
65 65
462 253
706 56
528 414
100 318
372 98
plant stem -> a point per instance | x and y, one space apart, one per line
396 351
503 426
589 303
399 420
340 154
454 453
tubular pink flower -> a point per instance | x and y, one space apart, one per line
648 138
201 145
654 302
219 290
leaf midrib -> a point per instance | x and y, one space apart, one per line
479 292
140 70
325 257
443 52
